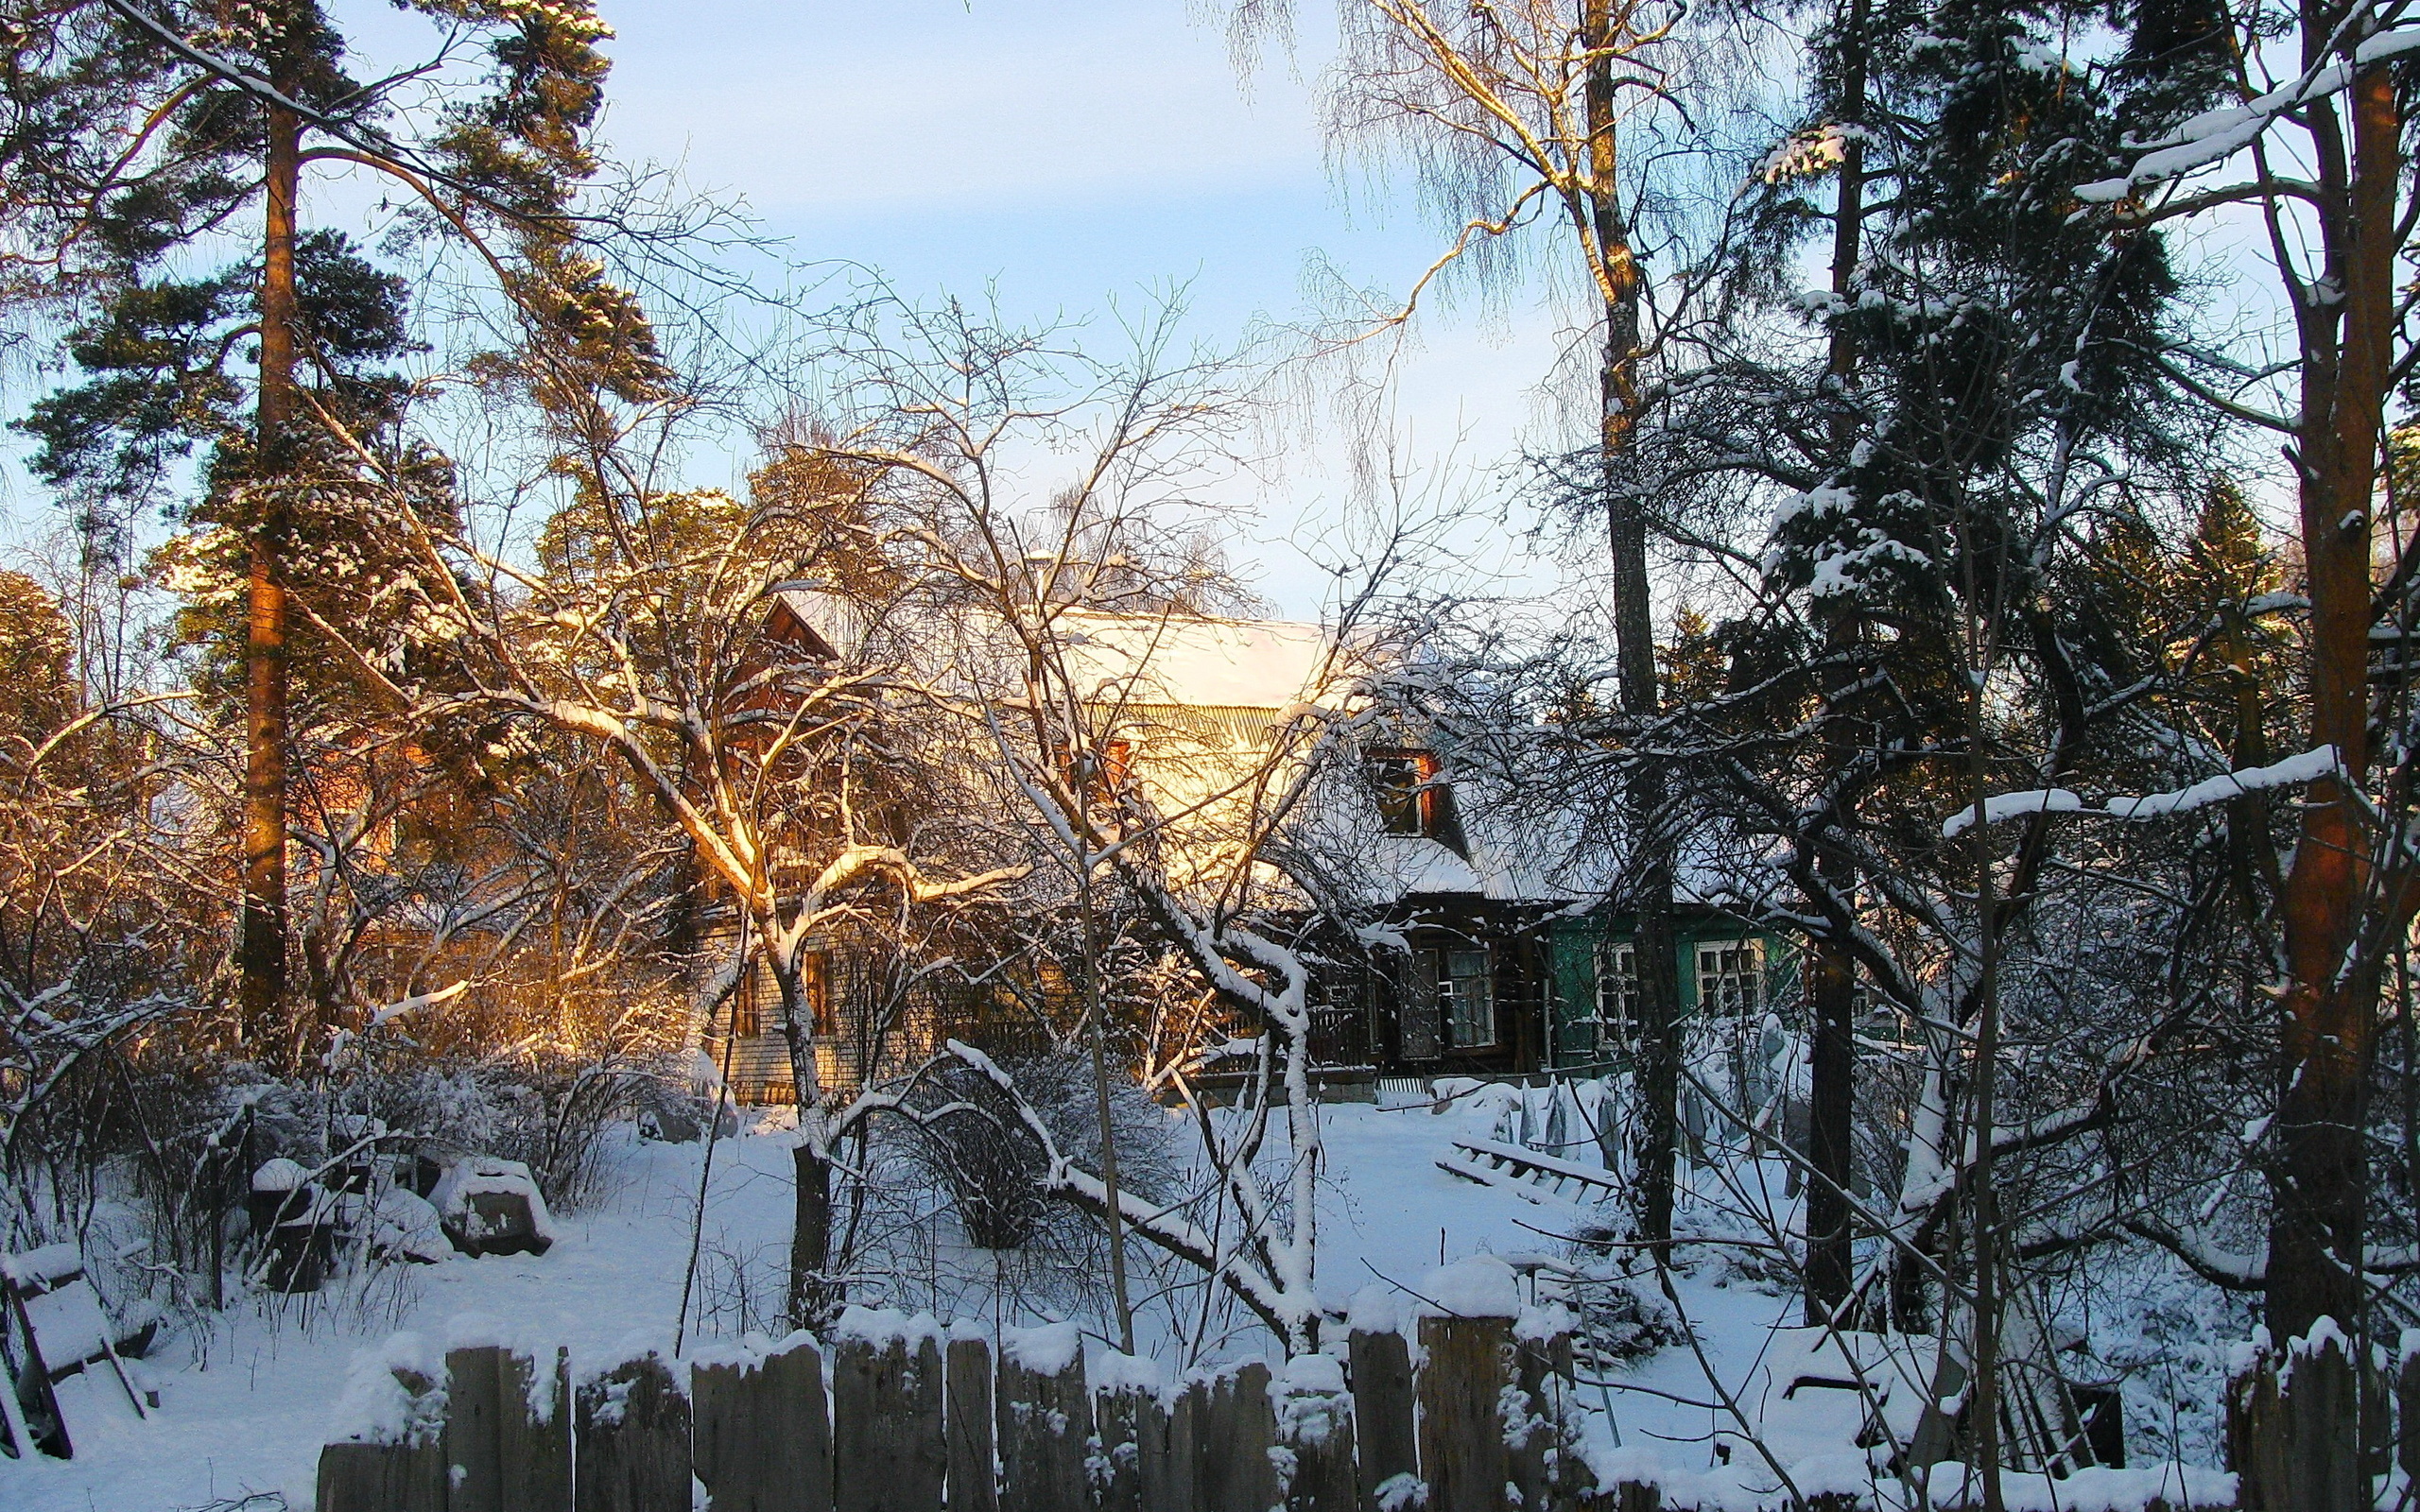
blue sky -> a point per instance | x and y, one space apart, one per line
1063 153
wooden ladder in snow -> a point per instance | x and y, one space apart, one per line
1527 1173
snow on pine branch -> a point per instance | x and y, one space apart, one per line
2294 771
2214 136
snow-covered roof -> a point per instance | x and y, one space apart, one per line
1201 662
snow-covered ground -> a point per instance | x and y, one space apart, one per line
244 1410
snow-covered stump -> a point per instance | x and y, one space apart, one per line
394 1459
1384 1417
967 1428
762 1441
633 1440
1463 1457
1045 1421
2292 1433
887 1453
1237 1473
507 1442
1315 1429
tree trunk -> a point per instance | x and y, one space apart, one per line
2319 1180
1650 882
810 1293
261 949
1831 1113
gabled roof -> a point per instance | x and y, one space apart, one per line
1197 662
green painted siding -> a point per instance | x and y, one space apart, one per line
1571 943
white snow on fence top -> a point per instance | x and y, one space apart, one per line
1045 1351
1308 1375
1214 663
1480 1286
40 1268
376 1408
883 1326
2292 772
1374 1310
750 1351
1114 1370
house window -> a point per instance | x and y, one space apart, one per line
1407 802
1617 995
1731 977
1467 998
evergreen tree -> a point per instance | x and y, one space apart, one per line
136 140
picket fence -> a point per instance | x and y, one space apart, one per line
917 1422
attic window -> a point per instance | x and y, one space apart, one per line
1408 799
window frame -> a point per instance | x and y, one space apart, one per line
1450 999
1750 954
1619 989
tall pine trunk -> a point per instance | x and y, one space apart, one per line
2320 1179
261 952
1831 1113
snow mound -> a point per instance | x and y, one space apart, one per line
883 1326
1046 1350
1480 1286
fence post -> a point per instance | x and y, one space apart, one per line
1236 1473
1315 1427
533 1432
1133 1433
1172 1478
473 1466
1383 1416
404 1475
2407 1406
966 1425
1045 1418
886 1449
633 1440
1463 1454
762 1441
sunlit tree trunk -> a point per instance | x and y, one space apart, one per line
2329 1002
261 955
1650 884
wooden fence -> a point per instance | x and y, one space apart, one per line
914 1422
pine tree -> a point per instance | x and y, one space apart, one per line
138 138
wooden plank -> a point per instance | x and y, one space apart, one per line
1315 1431
358 1477
1044 1423
1383 1416
1131 1422
762 1441
474 1464
1172 1478
1237 1474
1463 1454
972 1484
634 1441
534 1433
887 1449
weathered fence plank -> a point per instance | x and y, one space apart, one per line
1045 1417
634 1441
533 1432
1172 1476
762 1441
2292 1430
406 1474
1463 1454
966 1427
887 1453
474 1466
1130 1423
1240 1428
1383 1418
1315 1431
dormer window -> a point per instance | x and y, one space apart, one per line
1408 797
